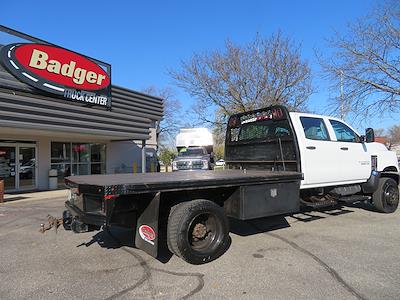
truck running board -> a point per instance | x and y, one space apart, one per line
319 204
330 201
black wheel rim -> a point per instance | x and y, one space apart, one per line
204 232
390 196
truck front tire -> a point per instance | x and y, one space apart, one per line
198 231
386 197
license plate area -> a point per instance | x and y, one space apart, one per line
92 203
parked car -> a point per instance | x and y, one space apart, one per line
26 171
220 162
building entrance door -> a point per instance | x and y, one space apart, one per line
27 167
18 166
7 167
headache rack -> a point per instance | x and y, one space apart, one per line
262 140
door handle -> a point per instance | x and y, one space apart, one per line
344 148
311 147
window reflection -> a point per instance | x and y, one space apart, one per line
77 159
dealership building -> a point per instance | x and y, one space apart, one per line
59 111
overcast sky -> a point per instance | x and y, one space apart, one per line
142 40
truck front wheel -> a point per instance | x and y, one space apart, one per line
386 197
198 231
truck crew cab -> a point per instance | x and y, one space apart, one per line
336 161
277 162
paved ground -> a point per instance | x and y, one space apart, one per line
342 254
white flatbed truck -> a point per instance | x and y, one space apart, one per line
277 161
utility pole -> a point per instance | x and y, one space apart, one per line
342 108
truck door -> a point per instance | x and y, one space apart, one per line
319 156
353 155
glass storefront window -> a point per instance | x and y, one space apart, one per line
62 171
80 169
98 169
77 159
81 153
98 153
60 152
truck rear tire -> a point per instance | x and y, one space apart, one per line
198 231
386 197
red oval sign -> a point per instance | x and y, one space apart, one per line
147 233
62 66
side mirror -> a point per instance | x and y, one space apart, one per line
369 135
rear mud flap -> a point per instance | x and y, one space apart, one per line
146 237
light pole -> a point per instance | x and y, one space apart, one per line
342 109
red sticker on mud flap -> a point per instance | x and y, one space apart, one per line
147 233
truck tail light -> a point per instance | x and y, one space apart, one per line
106 199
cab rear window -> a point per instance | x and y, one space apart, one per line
260 130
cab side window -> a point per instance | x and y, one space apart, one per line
343 132
314 128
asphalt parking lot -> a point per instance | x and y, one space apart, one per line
347 253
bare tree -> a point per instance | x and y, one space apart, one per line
172 120
239 78
366 64
380 131
394 135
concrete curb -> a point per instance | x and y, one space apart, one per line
36 196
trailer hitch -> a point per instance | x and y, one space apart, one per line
52 222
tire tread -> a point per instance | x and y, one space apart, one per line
177 214
377 195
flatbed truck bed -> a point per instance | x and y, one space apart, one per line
125 184
151 203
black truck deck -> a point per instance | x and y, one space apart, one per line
154 182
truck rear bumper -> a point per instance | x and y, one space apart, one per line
87 218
